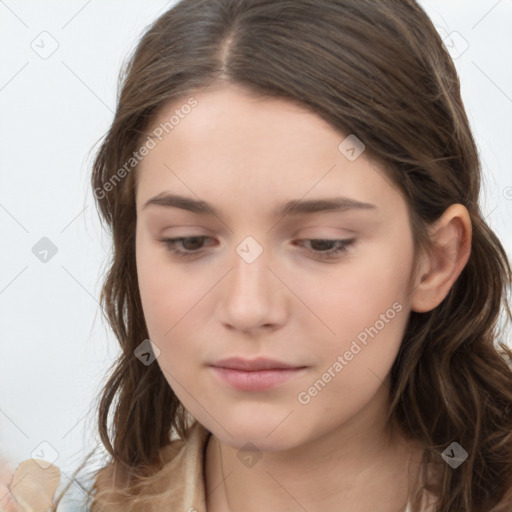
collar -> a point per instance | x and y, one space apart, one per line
183 474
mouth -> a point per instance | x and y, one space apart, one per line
255 375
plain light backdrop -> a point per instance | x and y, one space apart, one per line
58 79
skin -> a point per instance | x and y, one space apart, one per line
246 155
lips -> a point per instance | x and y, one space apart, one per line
261 363
255 374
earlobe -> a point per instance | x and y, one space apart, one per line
451 238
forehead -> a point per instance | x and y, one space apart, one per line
243 120
240 147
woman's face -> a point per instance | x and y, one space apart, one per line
255 283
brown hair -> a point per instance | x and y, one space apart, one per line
375 68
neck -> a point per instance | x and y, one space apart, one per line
345 469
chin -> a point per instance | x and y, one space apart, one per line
267 434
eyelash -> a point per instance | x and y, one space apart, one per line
170 245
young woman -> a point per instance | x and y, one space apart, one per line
303 285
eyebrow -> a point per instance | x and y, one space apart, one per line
292 207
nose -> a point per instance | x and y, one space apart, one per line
251 296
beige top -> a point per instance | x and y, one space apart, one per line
181 478
178 485
186 471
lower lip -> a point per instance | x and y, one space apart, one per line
257 380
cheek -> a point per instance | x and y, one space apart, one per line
157 286
165 303
364 313
357 294
175 302
353 364
169 299
159 282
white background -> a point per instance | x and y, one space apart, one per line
55 346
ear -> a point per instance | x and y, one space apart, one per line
451 237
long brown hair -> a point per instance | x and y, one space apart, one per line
375 68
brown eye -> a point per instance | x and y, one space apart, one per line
191 245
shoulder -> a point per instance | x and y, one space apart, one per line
177 485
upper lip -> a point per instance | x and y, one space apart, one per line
260 363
